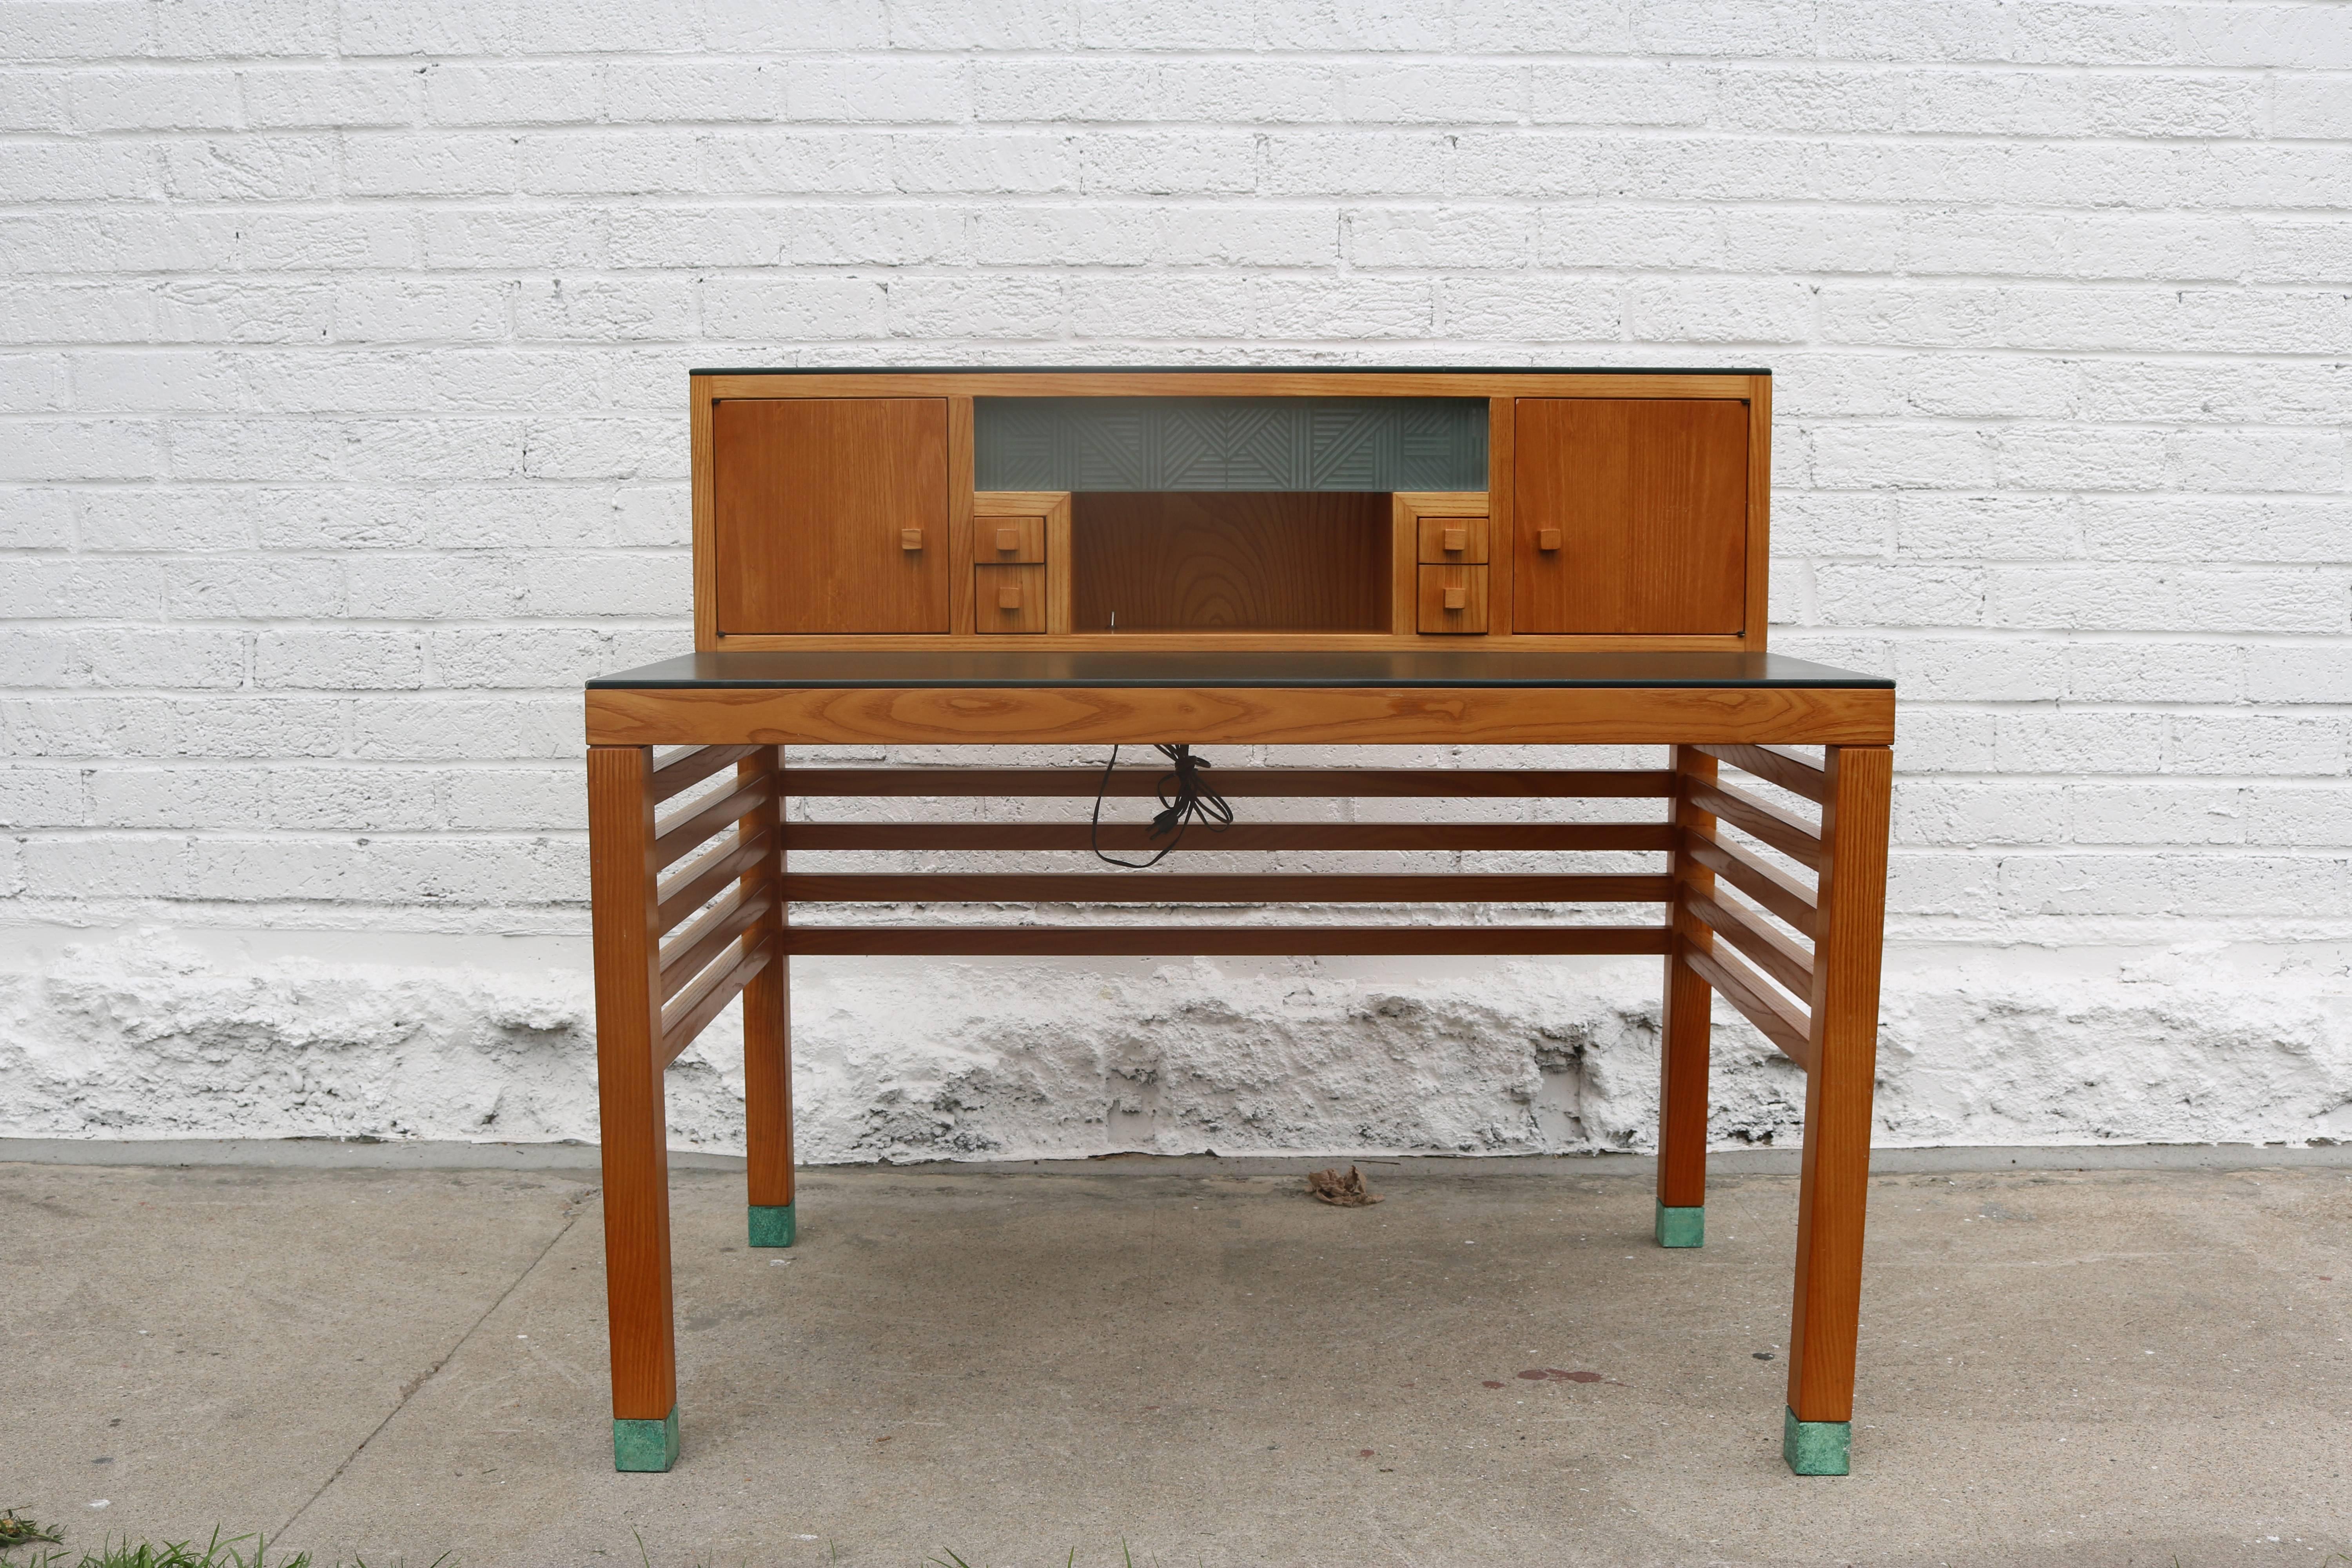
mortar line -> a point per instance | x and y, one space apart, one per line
418 1386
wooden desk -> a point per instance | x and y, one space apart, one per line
692 892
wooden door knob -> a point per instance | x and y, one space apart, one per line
1454 539
910 539
1008 598
1008 538
1456 598
1548 538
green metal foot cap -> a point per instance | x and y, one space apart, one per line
771 1226
1681 1227
1815 1448
645 1445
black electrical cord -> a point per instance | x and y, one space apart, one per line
1192 801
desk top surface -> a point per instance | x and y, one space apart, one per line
903 667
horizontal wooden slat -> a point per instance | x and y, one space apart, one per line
1089 887
1775 954
692 1013
1311 784
1768 885
1182 941
700 942
1250 836
681 840
700 882
1797 777
1757 1002
1797 839
673 779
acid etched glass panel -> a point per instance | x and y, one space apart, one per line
1230 443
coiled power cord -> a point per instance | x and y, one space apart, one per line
1185 799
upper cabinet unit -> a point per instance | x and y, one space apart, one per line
829 515
1632 515
1082 510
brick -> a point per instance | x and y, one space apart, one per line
2119 883
1172 163
354 798
81 449
1062 89
252 168
436 163
77 171
655 91
778 306
1544 26
604 310
1446 238
438 727
2299 672
1811 99
182 797
2241 459
611 163
604 448
42 797
1854 593
2216 528
523 93
557 658
990 306
2157 814
154 100
1007 163
1663 237
118 865
1996 669
1150 25
1995 102
230 588
613 583
1561 310
1249 91
2260 745
1447 94
429 587
339 660
1970 814
323 97
1768 28
1719 312
2142 671
902 90
2301 815
73 29
1981 526
1154 305
1075 236
736 27
529 799
1865 456
36 518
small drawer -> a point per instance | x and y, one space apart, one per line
1453 599
1006 540
1008 599
1454 541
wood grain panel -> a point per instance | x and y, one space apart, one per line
1453 600
1650 497
1310 783
1779 1020
633 1125
812 498
1001 541
1178 941
1242 837
1773 767
1451 540
1614 716
1258 887
1231 561
1023 586
1834 1192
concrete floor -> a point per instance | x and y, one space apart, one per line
2117 1367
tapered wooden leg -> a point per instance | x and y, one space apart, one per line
1682 1040
631 1114
1849 936
768 1058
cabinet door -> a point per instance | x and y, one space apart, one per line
831 514
1632 515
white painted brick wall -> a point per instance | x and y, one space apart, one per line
342 435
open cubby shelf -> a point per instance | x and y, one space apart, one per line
1230 561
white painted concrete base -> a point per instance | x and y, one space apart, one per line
171 1035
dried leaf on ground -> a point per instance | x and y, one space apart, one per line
1347 1191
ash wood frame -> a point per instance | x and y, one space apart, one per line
1811 987
1501 388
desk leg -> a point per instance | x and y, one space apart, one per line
768 1058
1849 935
1682 1038
634 1121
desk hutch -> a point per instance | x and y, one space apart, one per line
1252 557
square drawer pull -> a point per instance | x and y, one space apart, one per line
1008 538
910 539
1454 539
1548 538
1456 598
1008 598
